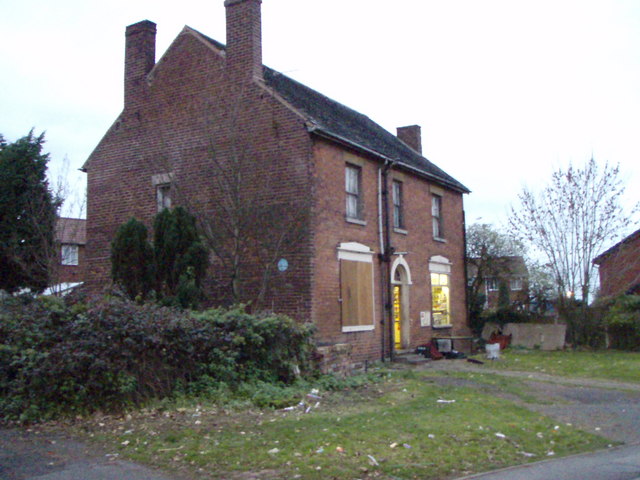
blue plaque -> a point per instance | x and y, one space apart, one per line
283 264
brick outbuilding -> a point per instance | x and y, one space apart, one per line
351 227
619 267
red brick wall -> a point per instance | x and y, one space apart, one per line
194 116
620 270
331 229
70 273
188 123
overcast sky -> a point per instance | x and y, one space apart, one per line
506 91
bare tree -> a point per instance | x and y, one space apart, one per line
72 204
486 246
570 220
247 219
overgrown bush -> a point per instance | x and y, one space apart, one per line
585 327
58 359
622 319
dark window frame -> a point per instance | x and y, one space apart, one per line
398 204
354 205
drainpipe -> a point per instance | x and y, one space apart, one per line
381 261
466 273
386 256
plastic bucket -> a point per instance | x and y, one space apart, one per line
493 350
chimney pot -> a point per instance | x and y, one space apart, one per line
412 136
140 57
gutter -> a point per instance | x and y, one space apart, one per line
321 132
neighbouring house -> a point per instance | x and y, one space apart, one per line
509 273
70 263
619 267
377 259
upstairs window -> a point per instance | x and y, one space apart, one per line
515 283
69 254
353 187
436 214
398 214
163 196
492 284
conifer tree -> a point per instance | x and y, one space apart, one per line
27 215
132 264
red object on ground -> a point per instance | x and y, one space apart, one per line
503 340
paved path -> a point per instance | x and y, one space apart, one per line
604 407
622 463
30 455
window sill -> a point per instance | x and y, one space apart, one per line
356 221
358 328
439 239
441 327
401 231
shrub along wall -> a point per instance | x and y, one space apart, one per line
61 359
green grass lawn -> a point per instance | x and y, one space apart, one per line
608 364
405 426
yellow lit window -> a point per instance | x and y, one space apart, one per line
440 299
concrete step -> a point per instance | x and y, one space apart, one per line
410 358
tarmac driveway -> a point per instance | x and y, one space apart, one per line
30 454
606 408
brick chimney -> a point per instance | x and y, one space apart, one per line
140 57
244 39
411 136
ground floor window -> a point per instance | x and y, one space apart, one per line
441 298
440 275
356 287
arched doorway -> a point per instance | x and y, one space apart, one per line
400 283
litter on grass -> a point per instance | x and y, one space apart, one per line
446 401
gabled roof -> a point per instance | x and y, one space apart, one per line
331 119
71 231
508 266
635 235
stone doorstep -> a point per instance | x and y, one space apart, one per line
408 357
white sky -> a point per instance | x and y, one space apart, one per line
505 90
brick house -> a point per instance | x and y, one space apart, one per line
510 272
381 254
71 240
619 267
70 259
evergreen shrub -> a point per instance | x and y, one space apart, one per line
59 359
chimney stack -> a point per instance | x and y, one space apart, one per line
412 136
140 57
244 39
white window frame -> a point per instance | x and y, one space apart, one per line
163 196
442 266
516 284
436 214
69 254
357 252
